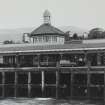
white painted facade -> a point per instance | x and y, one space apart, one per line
47 39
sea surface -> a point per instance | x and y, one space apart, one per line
45 101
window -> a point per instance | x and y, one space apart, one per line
47 39
35 40
54 38
40 39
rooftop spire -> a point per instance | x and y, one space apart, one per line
47 17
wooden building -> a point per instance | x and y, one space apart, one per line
52 68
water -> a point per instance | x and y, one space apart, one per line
44 101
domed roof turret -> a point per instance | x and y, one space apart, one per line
46 14
47 17
47 28
96 33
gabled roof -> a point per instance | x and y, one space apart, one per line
46 29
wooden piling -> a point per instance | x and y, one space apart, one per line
57 84
29 84
16 84
71 89
3 84
43 83
88 83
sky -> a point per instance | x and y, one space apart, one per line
85 14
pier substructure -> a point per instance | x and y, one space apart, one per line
82 82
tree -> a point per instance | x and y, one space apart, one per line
67 37
75 36
8 42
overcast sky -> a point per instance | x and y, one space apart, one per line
28 13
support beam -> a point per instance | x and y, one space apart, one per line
71 89
29 84
85 58
17 60
88 83
43 83
3 84
38 55
16 77
57 84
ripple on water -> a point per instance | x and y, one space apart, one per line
40 101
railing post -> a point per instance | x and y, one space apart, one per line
85 58
38 55
98 59
17 60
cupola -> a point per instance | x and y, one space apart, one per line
47 17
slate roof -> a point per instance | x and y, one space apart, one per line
18 48
46 29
